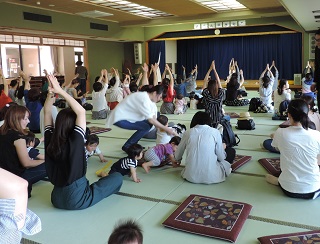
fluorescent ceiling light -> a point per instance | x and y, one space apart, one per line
129 7
94 14
221 4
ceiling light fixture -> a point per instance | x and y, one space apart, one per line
129 7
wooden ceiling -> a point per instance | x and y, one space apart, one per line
180 9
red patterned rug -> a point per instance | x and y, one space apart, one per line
210 216
98 130
272 165
308 237
239 161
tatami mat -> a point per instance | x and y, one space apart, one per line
159 193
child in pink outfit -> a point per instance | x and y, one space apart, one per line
180 104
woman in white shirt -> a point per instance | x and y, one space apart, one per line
299 148
138 112
206 160
266 81
283 93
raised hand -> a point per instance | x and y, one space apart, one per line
213 65
145 67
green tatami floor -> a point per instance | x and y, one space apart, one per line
160 192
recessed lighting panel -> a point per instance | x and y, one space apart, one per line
94 14
129 7
221 5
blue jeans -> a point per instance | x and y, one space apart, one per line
267 145
142 128
226 117
33 175
81 195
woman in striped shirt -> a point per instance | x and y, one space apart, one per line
213 95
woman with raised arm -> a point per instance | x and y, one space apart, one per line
4 98
167 106
233 90
276 75
65 156
299 149
266 81
213 96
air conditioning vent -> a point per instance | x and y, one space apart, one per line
97 26
37 17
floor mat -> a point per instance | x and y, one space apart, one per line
209 216
239 161
98 130
293 238
272 165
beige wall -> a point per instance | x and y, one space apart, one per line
68 62
30 60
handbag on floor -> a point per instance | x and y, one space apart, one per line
246 124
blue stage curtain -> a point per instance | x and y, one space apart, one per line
251 52
155 47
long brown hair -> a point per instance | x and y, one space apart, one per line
64 126
12 119
213 87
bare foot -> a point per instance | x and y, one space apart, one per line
272 179
146 167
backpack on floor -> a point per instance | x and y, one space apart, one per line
254 104
247 124
228 136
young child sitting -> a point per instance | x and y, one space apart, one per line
128 165
193 100
100 108
91 148
180 104
307 82
31 143
154 156
125 86
114 94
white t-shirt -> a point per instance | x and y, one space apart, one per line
99 101
266 93
135 107
205 157
162 137
299 149
280 98
315 118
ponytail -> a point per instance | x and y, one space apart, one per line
282 83
305 121
298 109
